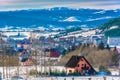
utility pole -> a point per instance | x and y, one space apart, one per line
4 63
9 59
36 55
44 61
49 60
119 67
9 66
41 48
6 67
18 66
33 42
2 55
50 56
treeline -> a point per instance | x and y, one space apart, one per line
113 22
73 29
111 32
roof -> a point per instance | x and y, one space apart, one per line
54 54
73 61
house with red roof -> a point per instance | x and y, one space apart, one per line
79 64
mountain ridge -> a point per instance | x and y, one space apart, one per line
46 17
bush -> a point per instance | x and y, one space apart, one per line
75 74
104 69
33 72
58 73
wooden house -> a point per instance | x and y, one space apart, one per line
27 62
52 52
79 64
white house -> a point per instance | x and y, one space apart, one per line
18 37
113 41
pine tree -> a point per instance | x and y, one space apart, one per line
101 45
107 47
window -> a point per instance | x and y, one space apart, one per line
81 60
78 65
87 68
70 71
82 64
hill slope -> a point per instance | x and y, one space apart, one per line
92 54
111 28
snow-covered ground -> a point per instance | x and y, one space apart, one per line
114 27
28 34
47 34
73 78
79 78
80 33
12 33
23 72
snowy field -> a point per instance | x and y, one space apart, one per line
74 78
80 78
12 71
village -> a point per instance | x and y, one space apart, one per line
26 53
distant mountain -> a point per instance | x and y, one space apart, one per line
71 19
59 17
112 27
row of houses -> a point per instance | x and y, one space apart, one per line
56 47
59 44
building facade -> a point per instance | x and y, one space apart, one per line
80 65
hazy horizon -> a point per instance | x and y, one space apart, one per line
6 5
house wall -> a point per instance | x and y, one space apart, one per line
113 41
27 63
70 70
25 46
117 48
81 64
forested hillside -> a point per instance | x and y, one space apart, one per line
111 28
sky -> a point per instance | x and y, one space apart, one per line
6 5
